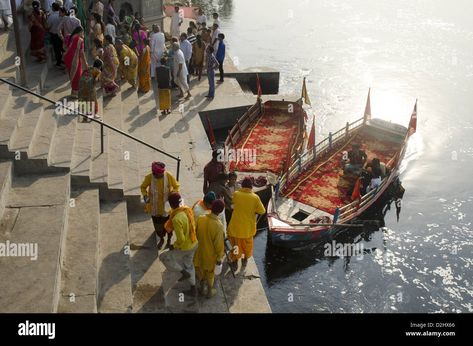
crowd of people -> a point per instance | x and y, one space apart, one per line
220 225
123 48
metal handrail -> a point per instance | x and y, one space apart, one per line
102 125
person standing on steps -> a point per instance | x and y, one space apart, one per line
212 170
181 254
75 60
220 55
212 64
209 254
163 77
180 71
242 227
37 26
204 207
156 188
128 68
158 47
54 20
176 21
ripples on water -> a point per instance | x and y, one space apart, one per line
404 50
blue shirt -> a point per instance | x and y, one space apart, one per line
220 51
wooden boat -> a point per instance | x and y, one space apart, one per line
272 132
313 199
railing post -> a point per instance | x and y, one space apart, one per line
101 138
178 167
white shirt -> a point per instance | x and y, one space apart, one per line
54 20
179 59
176 20
5 5
157 43
215 34
110 30
217 21
186 48
48 4
68 4
201 19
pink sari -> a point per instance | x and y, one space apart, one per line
73 62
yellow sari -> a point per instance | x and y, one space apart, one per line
144 70
128 64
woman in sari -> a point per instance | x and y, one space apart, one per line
75 60
96 33
144 68
139 36
128 62
198 56
37 26
110 67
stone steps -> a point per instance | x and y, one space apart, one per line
114 292
6 171
35 214
146 269
79 269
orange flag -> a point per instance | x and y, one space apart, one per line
356 191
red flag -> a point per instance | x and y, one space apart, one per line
311 141
258 86
356 191
210 132
413 123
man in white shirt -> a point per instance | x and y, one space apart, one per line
216 19
215 32
201 18
68 23
186 48
157 44
180 71
6 18
176 21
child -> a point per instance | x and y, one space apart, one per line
88 103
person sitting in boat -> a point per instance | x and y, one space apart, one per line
356 160
377 172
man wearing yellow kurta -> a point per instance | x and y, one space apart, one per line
242 227
155 189
210 235
181 254
128 62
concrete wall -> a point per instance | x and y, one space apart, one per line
269 81
223 118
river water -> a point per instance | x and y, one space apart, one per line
403 50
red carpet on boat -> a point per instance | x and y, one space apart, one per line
270 138
326 189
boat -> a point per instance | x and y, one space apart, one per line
264 141
314 199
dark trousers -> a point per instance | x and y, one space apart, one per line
158 223
220 68
57 47
228 215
